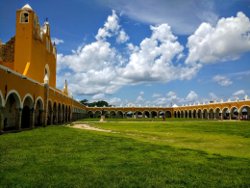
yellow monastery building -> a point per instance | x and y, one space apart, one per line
29 97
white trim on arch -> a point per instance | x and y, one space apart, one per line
243 106
233 108
27 95
39 98
18 96
2 100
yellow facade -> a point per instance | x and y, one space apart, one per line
28 94
33 48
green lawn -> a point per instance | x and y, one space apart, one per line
140 154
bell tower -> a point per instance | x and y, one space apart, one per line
23 38
35 55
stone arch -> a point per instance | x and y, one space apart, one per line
234 113
39 109
168 114
16 95
90 114
205 114
129 114
139 114
12 111
226 113
153 114
97 114
146 114
49 113
178 114
190 114
55 113
161 114
28 95
199 114
112 114
218 113
119 114
194 113
182 114
27 112
244 112
175 114
186 114
211 113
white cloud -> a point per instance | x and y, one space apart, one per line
111 27
122 37
226 41
152 60
239 93
99 67
222 80
192 96
99 96
114 101
57 41
157 12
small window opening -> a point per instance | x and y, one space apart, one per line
25 17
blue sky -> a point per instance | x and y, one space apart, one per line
146 52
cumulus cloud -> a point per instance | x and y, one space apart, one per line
239 93
57 41
98 67
99 96
153 59
101 67
222 80
122 37
115 101
192 96
226 41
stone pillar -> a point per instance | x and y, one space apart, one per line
46 103
19 118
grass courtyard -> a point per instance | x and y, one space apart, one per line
175 153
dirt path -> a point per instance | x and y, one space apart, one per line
88 127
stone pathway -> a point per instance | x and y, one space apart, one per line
88 127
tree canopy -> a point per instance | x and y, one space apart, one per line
95 104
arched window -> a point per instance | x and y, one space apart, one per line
24 17
46 74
